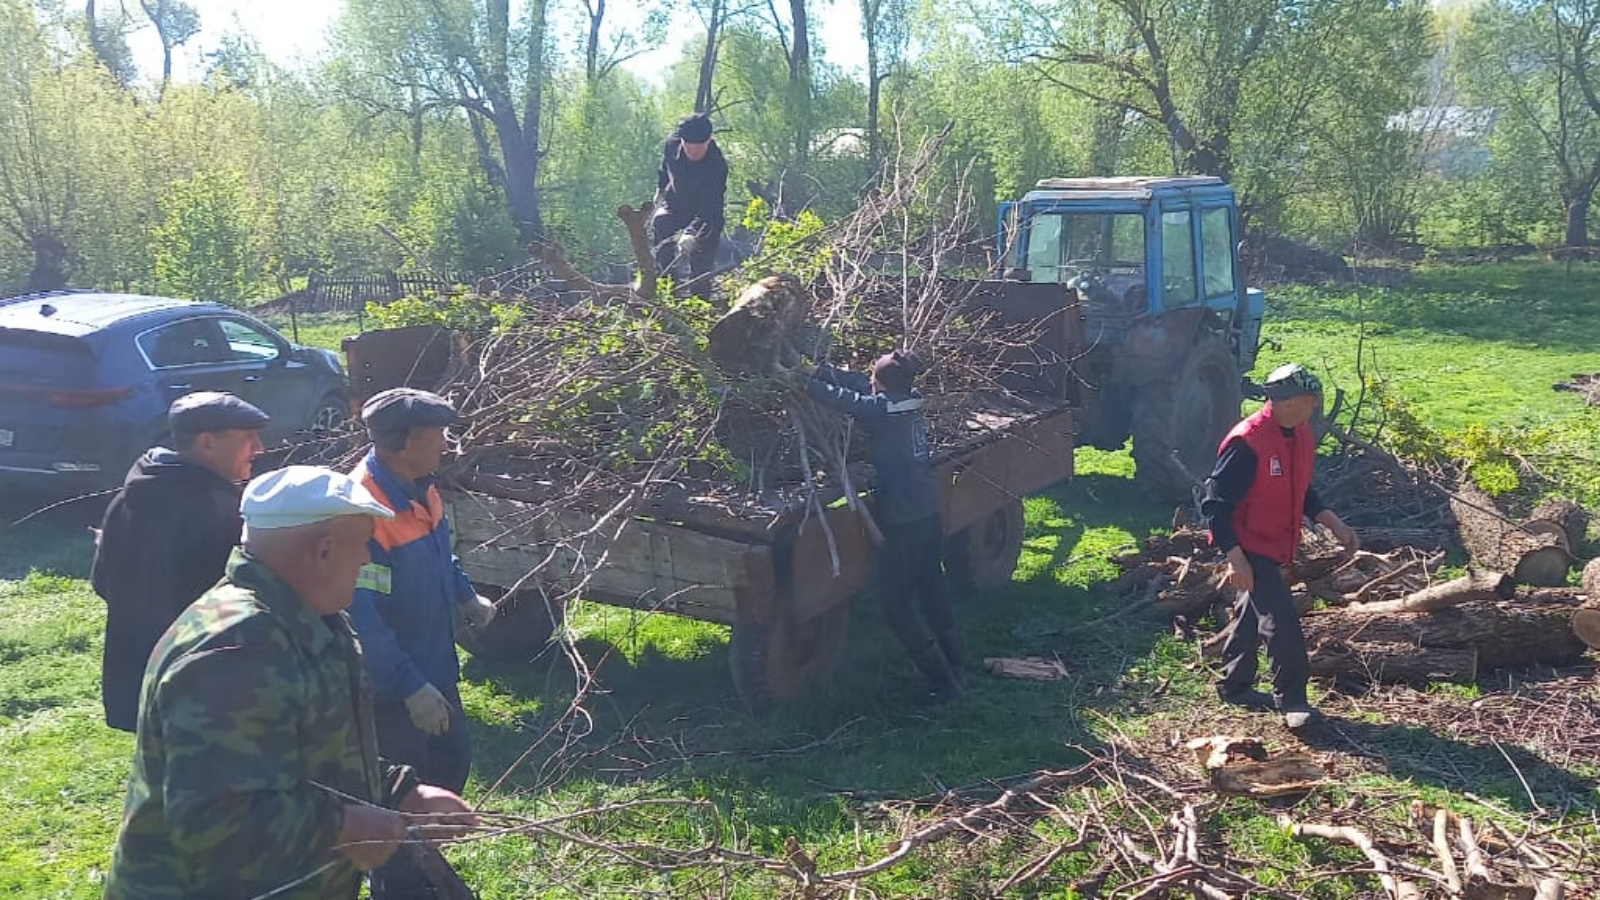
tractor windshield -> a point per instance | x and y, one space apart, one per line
1064 245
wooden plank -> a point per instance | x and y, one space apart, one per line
1029 458
815 589
650 565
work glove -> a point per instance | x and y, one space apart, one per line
429 710
478 612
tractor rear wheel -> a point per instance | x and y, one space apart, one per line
1188 413
984 555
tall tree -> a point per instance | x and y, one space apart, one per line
109 41
1534 64
176 23
472 57
885 25
1227 81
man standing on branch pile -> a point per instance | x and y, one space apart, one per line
167 534
691 187
256 772
911 582
407 604
1255 501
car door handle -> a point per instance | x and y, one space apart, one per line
180 387
251 379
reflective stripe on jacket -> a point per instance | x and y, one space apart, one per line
405 598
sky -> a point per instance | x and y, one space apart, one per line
295 31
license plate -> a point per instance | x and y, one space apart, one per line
7 437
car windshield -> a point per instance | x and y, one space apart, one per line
1062 245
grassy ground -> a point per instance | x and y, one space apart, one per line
668 725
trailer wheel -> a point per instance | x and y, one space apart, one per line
520 631
1189 413
775 661
984 555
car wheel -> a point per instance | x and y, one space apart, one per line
331 414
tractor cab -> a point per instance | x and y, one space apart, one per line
1159 327
1134 248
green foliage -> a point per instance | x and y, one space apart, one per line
467 311
794 246
202 247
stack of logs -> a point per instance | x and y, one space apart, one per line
1382 615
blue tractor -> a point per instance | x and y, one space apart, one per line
1156 325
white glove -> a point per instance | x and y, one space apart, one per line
479 611
429 710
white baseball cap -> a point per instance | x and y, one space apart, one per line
302 495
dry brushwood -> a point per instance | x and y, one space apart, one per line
1585 386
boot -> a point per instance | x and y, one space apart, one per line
951 648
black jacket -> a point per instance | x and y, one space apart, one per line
906 489
694 190
164 542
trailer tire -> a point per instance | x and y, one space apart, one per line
775 661
521 630
984 555
1189 412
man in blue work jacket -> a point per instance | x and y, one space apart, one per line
406 603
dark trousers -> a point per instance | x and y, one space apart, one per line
912 590
664 228
1267 613
441 760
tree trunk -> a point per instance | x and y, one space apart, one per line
1572 519
708 58
591 50
800 84
1533 629
1539 559
1474 586
874 99
51 260
1578 221
1591 580
1395 663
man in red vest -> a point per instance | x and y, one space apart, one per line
1255 502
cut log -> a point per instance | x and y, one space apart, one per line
1394 663
758 335
1533 629
1591 580
1476 585
1501 545
1573 519
1586 625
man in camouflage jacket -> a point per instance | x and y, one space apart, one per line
256 766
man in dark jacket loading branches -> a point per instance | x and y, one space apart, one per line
1255 501
910 569
691 187
167 534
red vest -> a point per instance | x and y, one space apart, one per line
1268 519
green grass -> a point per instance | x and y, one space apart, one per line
1464 345
325 330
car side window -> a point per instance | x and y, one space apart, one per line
187 342
247 343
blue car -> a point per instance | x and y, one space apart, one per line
86 379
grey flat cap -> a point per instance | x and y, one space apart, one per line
204 411
399 408
303 495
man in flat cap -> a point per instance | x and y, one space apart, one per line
255 770
1255 502
911 581
407 602
167 534
691 189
